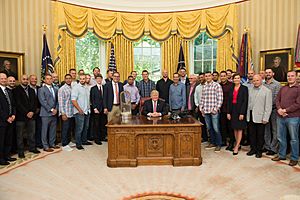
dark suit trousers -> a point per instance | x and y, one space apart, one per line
5 140
30 130
226 130
38 131
100 131
256 135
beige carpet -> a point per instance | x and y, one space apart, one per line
84 175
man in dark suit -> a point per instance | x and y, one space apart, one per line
26 106
111 94
100 119
48 99
7 116
154 107
38 121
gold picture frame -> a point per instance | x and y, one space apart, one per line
16 60
280 60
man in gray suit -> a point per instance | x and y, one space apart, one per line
48 99
258 114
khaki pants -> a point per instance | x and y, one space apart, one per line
115 112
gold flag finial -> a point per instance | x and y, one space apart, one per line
246 29
44 26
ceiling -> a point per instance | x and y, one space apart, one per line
150 5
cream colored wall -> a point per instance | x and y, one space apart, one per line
273 24
21 29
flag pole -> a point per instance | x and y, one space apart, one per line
44 26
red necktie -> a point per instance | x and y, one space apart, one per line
117 92
154 109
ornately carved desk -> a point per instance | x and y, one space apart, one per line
144 141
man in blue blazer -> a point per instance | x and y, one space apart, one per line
48 99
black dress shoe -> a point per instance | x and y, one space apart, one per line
251 153
80 147
104 140
270 153
264 150
99 143
87 143
35 151
229 147
21 155
4 162
10 159
258 155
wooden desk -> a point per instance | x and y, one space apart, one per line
141 141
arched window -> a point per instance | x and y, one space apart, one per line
90 53
147 57
205 54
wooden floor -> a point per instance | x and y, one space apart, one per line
84 175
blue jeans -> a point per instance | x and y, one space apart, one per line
213 127
81 128
292 126
65 131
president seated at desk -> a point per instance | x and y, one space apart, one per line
154 107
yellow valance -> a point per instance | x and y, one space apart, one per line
77 20
219 22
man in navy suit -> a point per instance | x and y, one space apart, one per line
100 119
154 107
111 94
7 117
48 99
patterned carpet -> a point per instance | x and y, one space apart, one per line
158 196
85 175
29 157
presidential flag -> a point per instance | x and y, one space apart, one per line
47 64
181 62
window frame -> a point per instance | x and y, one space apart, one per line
192 51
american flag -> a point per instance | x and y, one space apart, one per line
112 59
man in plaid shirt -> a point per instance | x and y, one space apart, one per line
65 109
210 104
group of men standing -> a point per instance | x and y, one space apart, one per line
86 103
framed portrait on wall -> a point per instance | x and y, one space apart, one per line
12 64
279 60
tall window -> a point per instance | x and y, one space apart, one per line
205 53
88 53
147 57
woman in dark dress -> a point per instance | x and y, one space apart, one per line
237 109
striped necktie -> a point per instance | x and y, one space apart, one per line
8 101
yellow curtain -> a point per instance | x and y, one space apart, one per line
67 54
170 54
122 28
123 53
224 54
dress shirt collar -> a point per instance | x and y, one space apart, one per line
49 86
2 87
